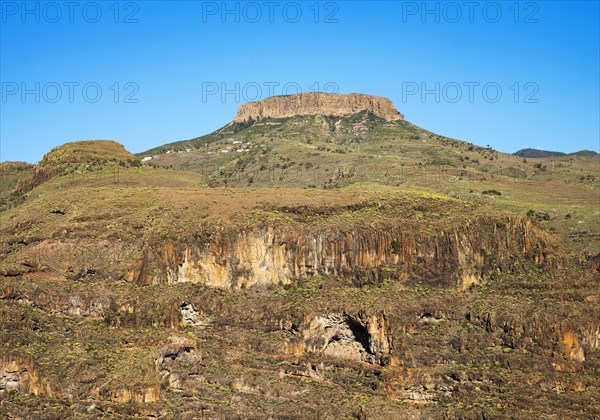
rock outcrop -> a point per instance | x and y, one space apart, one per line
317 103
358 338
19 373
180 350
539 333
281 255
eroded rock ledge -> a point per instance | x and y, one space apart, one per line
354 337
317 103
458 257
19 373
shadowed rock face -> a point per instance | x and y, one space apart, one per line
316 103
361 338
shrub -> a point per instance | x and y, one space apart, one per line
491 192
539 215
396 247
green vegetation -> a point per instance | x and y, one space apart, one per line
539 215
329 152
396 247
73 228
491 192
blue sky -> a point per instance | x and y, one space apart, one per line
147 73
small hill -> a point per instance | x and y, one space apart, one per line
90 152
537 153
77 157
585 153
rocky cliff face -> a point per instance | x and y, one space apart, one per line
360 338
456 258
316 103
19 373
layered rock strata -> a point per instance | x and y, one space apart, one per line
317 103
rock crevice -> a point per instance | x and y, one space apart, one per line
360 338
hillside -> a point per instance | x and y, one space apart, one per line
585 153
76 158
10 174
322 150
336 266
537 153
173 293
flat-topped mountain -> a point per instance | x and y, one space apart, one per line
324 139
317 103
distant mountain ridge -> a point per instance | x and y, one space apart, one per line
537 153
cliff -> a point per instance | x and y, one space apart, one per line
283 255
19 373
316 103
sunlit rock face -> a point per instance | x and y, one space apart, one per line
459 257
317 103
19 373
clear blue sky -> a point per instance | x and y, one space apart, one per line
162 67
